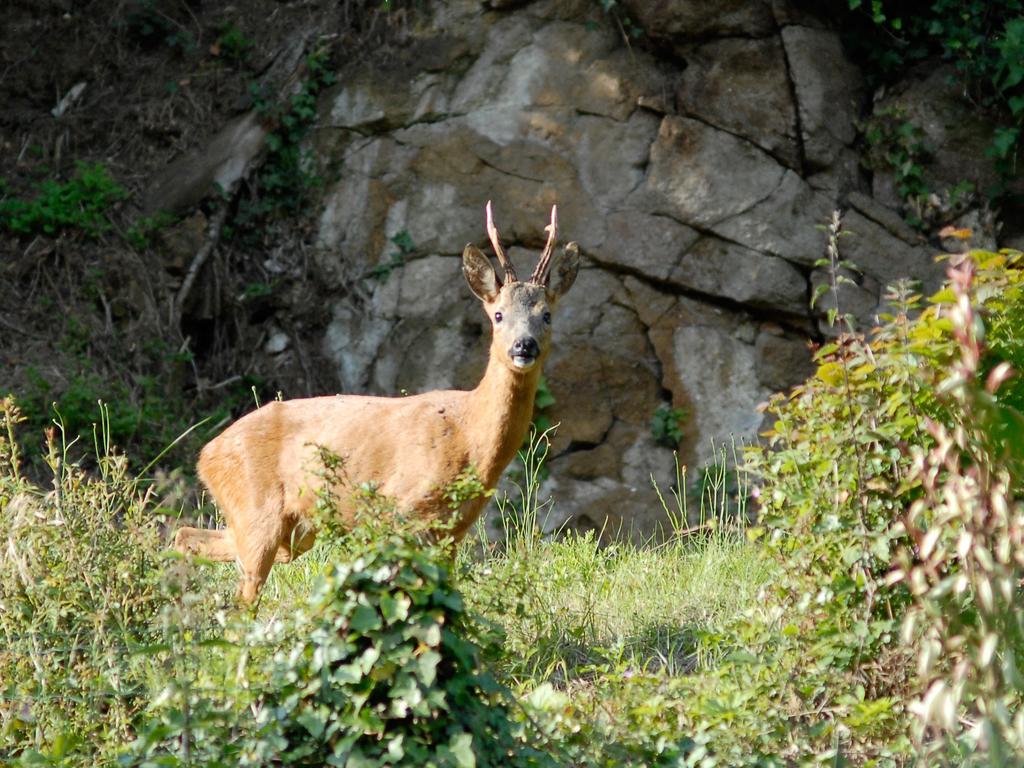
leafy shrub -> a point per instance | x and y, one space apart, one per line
666 425
149 421
842 472
898 144
233 44
964 561
834 479
1003 315
381 665
81 203
387 668
286 177
149 26
983 38
78 591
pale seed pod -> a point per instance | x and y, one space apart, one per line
985 597
928 544
988 649
963 544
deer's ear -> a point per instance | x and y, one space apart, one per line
563 272
480 274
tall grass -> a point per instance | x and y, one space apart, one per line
568 603
79 592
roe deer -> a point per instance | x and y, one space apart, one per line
260 469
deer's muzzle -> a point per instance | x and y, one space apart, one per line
524 352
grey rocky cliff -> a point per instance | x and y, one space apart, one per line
695 180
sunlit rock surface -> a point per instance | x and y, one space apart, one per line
694 172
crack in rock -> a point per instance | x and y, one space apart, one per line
797 120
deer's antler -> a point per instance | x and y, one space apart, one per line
540 272
492 233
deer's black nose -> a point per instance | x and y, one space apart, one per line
525 346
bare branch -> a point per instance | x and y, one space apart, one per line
212 238
492 233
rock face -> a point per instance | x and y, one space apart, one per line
694 179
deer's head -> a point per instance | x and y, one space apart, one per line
520 312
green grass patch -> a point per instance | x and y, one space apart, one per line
570 604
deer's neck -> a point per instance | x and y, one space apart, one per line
500 410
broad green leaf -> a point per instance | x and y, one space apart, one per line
427 664
364 619
461 746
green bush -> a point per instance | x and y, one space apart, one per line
896 143
81 203
148 423
233 44
1003 302
79 591
841 475
984 39
287 176
963 555
381 665
667 425
404 683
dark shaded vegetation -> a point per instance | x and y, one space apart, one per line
984 41
90 278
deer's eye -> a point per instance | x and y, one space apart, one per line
547 318
497 317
